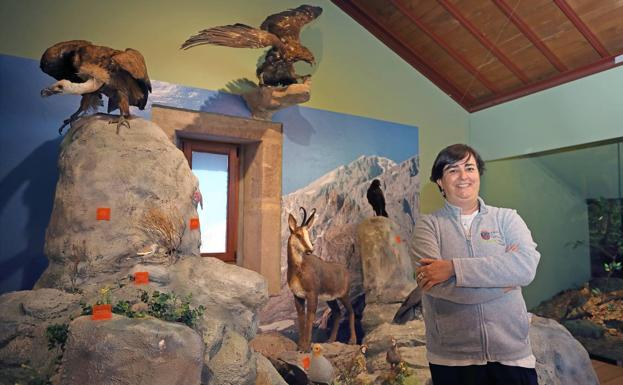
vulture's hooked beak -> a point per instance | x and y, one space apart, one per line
49 91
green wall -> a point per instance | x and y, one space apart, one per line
555 214
584 111
356 73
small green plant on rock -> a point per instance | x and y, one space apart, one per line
165 306
57 335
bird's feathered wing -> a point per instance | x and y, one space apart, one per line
133 63
236 35
58 60
287 24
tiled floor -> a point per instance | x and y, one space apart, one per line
608 374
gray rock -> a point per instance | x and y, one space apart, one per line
387 268
131 352
411 334
24 318
376 314
212 330
266 372
584 328
130 172
560 358
234 364
230 293
272 344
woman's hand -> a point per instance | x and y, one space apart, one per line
433 271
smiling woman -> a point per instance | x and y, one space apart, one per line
474 259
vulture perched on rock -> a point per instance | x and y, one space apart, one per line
279 31
82 68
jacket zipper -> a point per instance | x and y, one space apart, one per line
483 333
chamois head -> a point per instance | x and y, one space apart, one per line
299 235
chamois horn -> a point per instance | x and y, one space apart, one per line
304 215
311 214
305 219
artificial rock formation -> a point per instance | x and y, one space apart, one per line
24 318
130 172
263 102
136 174
130 351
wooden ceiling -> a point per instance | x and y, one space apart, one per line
486 52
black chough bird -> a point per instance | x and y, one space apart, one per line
83 68
376 198
279 31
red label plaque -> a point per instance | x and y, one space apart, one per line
141 277
103 214
101 312
194 223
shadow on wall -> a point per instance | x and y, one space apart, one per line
34 181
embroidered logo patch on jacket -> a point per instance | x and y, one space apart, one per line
491 237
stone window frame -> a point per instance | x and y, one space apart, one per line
259 214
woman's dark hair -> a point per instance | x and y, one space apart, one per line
451 155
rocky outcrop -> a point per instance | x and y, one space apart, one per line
229 293
266 372
263 102
387 269
132 173
234 364
136 174
24 319
560 358
129 351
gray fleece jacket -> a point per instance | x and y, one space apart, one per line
472 315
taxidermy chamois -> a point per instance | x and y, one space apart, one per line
310 279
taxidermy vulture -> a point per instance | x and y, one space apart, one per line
82 68
376 198
279 31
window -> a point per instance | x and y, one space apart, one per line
216 166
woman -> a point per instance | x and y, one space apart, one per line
473 260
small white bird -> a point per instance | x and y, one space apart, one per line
148 250
321 370
162 345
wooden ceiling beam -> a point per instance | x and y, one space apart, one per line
398 45
454 11
527 31
590 69
583 28
456 55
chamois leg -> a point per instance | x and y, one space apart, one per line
312 305
336 314
299 303
351 318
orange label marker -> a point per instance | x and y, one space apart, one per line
101 312
194 223
103 214
398 239
141 277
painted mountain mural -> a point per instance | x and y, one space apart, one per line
339 198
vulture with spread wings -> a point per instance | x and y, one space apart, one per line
279 31
82 68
